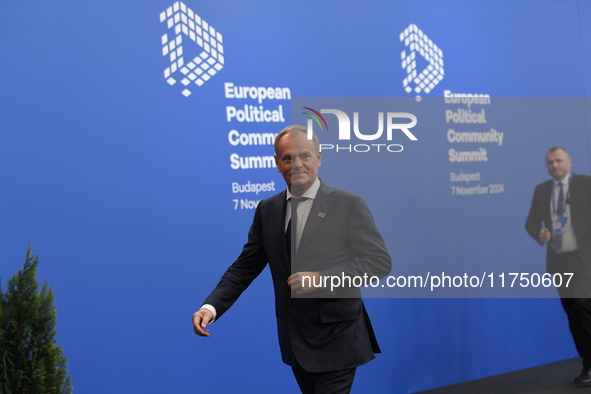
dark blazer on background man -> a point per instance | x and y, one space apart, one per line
319 331
580 212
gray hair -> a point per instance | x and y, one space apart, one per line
555 148
296 127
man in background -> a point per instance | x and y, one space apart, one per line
563 206
309 230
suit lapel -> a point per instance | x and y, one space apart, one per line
320 208
546 201
577 204
280 206
574 197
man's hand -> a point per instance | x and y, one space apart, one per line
201 319
545 236
296 282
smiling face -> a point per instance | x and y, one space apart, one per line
297 160
559 163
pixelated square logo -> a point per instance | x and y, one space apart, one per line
190 37
425 51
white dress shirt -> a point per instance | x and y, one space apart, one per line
569 241
304 208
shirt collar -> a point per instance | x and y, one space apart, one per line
310 194
564 180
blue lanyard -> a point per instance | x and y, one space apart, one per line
570 175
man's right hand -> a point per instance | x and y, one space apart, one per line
201 319
545 236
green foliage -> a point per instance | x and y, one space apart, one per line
30 360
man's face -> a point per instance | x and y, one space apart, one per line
558 164
297 160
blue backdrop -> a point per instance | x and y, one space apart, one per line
122 178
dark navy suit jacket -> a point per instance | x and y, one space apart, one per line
580 211
321 331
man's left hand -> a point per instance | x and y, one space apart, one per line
296 282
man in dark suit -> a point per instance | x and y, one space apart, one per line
563 205
306 233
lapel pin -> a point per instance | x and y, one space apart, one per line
321 214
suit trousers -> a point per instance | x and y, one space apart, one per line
578 310
332 382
